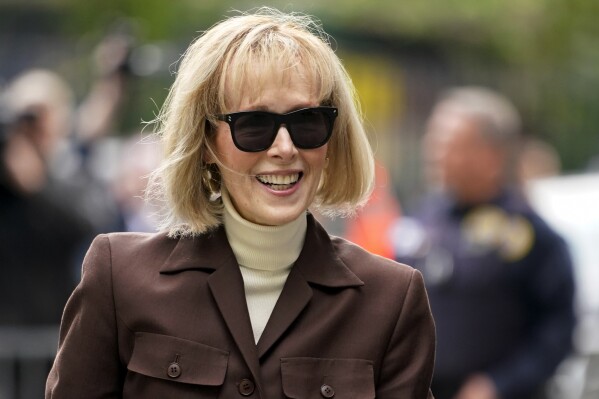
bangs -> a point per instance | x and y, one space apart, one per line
265 57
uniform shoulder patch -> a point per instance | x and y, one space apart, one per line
492 228
518 238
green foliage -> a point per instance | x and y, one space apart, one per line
543 53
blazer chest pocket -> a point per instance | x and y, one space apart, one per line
316 378
176 366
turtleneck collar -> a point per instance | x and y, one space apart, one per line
263 247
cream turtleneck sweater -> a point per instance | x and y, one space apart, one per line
265 255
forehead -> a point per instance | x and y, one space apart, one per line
266 82
445 123
455 132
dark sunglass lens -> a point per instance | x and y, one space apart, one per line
254 131
310 128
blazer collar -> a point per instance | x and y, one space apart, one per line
208 251
318 261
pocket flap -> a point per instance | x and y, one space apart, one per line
305 377
199 364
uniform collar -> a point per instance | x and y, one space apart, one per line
508 198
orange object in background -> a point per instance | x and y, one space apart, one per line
370 228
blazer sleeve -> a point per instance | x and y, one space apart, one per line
87 364
407 368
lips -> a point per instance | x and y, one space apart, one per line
279 182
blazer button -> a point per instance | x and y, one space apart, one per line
327 391
246 387
173 370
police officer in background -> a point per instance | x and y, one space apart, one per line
500 280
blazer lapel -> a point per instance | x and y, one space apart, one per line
213 252
295 296
317 265
226 285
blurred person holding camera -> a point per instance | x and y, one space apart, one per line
40 236
67 136
49 213
500 280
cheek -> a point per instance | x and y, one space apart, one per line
224 148
317 159
234 165
222 139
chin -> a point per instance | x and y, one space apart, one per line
279 218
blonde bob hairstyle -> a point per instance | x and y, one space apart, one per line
239 54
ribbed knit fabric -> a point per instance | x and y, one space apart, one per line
265 255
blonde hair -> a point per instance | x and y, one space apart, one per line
228 55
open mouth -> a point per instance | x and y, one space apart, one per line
280 182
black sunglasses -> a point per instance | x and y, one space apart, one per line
255 131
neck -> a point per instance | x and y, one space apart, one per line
263 247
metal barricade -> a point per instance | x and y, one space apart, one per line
26 355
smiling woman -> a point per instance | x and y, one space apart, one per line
242 292
258 62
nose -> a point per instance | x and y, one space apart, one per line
283 146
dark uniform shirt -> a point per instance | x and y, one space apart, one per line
500 284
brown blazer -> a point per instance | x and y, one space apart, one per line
155 317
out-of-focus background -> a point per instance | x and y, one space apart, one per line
108 65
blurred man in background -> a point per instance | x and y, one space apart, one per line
52 203
40 240
500 281
40 236
138 158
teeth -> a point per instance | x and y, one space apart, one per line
279 179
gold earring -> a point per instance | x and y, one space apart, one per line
210 178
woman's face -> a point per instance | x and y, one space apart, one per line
277 185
